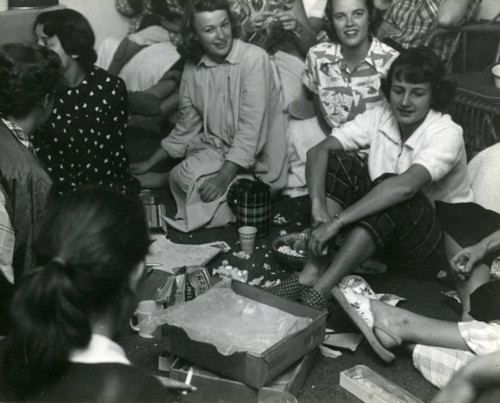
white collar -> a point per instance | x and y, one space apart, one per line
100 350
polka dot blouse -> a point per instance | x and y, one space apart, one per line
83 142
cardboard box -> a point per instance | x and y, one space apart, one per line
213 388
371 387
254 370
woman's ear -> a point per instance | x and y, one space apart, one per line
47 103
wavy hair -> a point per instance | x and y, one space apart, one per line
91 241
330 28
73 31
422 65
28 73
191 47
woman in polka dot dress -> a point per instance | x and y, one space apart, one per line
83 141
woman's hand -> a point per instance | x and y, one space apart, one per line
319 216
139 168
321 235
287 19
255 22
465 260
213 188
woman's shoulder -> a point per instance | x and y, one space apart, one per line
90 382
248 51
99 76
439 122
325 48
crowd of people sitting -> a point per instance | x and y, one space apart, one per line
344 100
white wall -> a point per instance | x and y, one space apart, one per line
103 17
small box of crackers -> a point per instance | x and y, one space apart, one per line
155 210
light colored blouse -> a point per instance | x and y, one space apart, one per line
234 107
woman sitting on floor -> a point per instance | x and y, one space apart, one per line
416 156
83 141
230 121
65 314
29 75
343 78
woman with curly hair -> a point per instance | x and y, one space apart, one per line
28 77
230 120
385 208
343 79
83 142
65 314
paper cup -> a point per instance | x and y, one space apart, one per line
496 75
141 315
247 238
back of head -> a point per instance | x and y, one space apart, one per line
73 31
90 243
422 65
191 47
27 74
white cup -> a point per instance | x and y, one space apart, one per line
143 312
496 75
247 238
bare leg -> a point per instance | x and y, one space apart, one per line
414 328
357 247
153 180
480 275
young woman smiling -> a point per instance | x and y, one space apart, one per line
385 207
343 78
83 141
230 120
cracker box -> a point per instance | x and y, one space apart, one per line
251 369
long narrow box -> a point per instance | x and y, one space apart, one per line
370 387
251 369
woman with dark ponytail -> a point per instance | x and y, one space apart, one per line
83 142
64 315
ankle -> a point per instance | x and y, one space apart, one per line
309 278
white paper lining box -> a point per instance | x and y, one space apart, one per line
254 370
371 387
213 388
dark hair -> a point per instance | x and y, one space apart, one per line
90 242
73 31
330 28
422 65
28 73
191 47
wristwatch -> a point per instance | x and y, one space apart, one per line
337 217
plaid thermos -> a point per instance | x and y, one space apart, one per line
250 201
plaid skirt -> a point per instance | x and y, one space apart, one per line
438 364
408 235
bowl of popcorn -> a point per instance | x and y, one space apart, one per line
291 250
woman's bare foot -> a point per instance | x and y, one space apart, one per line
153 180
383 317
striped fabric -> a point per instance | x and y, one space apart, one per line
413 22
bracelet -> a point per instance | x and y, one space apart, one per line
337 217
